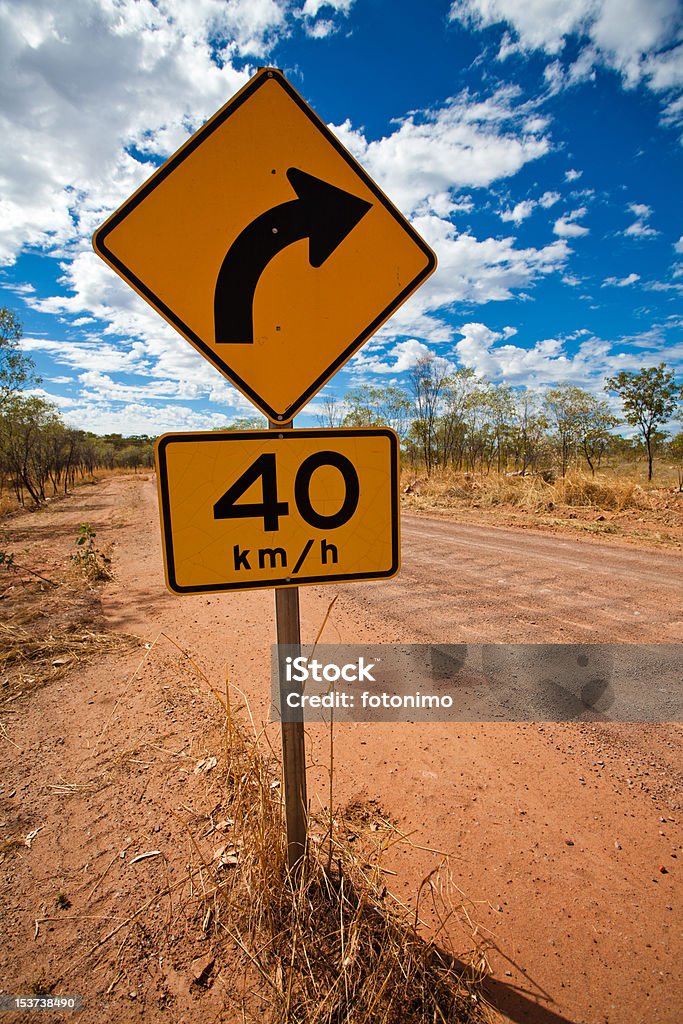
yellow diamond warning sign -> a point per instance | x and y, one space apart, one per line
268 509
267 246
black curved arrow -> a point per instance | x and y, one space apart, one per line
323 213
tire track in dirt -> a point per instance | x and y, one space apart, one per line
461 583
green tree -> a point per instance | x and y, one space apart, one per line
563 405
594 427
461 393
246 423
499 403
17 370
331 413
130 457
26 426
427 382
374 406
530 433
649 398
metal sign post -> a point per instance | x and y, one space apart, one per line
293 741
288 627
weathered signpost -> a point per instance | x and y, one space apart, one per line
276 256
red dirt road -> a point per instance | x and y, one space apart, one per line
564 839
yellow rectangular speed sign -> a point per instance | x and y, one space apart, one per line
275 509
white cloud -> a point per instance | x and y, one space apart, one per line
633 37
538 24
525 208
24 289
640 209
466 143
519 212
547 362
672 113
138 418
559 360
97 354
640 228
402 356
487 270
621 282
678 246
572 175
321 28
566 227
311 8
559 77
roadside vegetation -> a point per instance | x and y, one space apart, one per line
329 943
460 422
449 422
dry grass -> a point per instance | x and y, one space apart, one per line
330 945
576 490
601 493
52 618
39 658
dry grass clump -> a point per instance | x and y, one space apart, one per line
8 504
329 945
445 487
600 492
50 655
534 492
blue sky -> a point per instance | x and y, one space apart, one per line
536 146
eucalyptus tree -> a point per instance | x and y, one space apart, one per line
428 379
530 433
460 393
563 405
650 398
26 426
595 426
386 405
17 370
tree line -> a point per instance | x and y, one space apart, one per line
458 419
444 418
39 454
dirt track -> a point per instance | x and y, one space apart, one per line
462 583
558 834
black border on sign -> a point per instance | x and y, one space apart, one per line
261 435
101 248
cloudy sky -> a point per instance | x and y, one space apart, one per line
536 146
